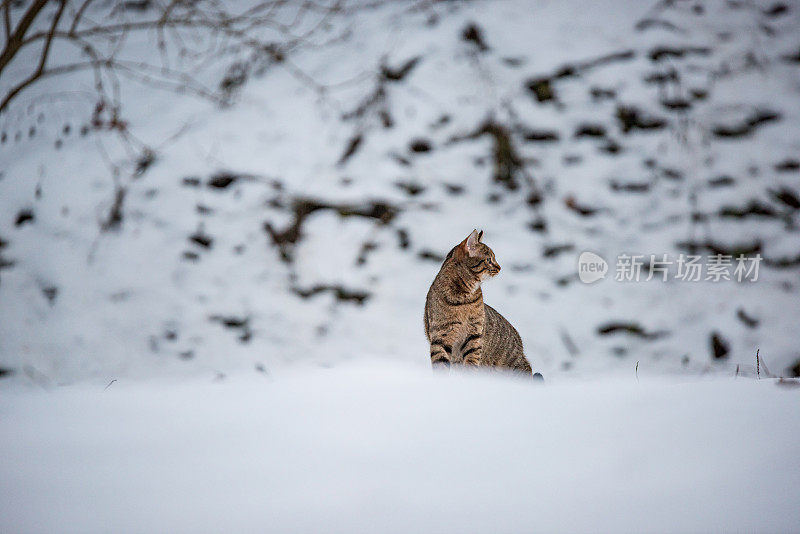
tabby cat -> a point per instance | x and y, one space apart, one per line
461 329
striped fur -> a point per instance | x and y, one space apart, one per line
461 329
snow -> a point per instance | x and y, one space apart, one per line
390 448
129 302
309 412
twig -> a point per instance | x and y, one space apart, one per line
637 371
109 384
758 364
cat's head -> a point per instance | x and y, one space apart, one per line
477 257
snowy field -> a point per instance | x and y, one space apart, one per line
302 223
211 294
389 448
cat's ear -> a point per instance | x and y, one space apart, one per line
480 236
471 243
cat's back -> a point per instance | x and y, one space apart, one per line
502 344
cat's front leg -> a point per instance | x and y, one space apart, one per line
474 357
472 350
441 352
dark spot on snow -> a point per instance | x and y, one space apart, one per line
203 210
339 292
793 370
454 189
752 208
601 93
590 130
171 334
24 216
508 165
514 61
552 251
232 322
629 187
224 179
366 248
285 239
443 120
352 147
776 10
788 165
576 69
631 118
662 77
580 209
672 174
541 88
403 238
397 74
610 147
190 255
572 159
6 372
50 293
719 346
786 196
430 256
746 127
539 135
630 328
698 94
661 52
411 188
646 24
676 104
714 247
750 322
785 262
721 181
202 239
792 58
419 145
191 181
186 355
400 159
473 34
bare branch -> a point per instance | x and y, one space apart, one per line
42 60
14 42
79 15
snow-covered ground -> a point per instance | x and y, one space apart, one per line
390 448
256 304
193 281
